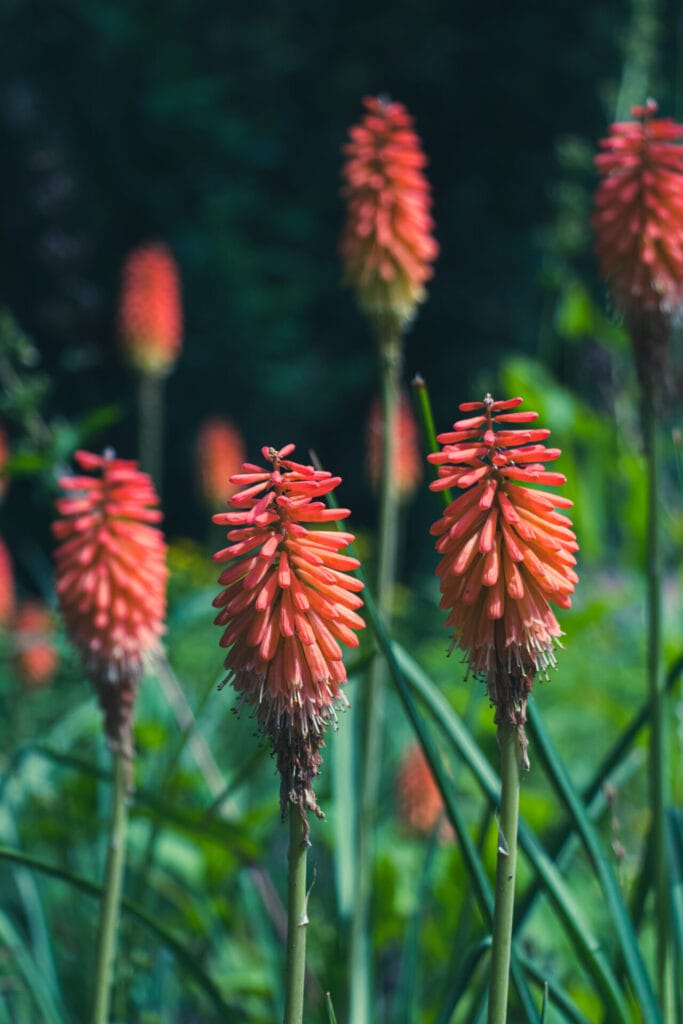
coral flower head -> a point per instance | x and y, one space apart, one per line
220 454
150 314
6 585
387 247
506 550
419 798
288 603
638 221
111 578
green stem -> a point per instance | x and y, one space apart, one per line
391 360
151 425
658 739
297 920
505 874
113 884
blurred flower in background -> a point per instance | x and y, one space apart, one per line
420 805
387 248
6 585
35 656
407 460
219 454
150 313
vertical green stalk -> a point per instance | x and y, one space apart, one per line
151 425
391 360
505 874
658 741
113 884
297 920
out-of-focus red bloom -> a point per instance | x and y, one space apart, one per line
6 585
35 654
111 577
506 551
288 602
407 469
638 218
387 247
150 315
220 452
419 799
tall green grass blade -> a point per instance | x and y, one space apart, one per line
675 865
331 1017
623 927
545 1017
425 418
407 994
593 958
16 948
177 947
463 980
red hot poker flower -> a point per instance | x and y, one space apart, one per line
506 551
111 578
288 602
638 224
638 218
150 314
387 247
6 585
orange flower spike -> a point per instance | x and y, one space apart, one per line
111 578
287 605
506 550
150 314
419 798
407 458
638 218
387 247
35 655
220 454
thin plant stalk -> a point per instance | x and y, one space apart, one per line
505 875
658 740
297 920
391 361
113 886
151 425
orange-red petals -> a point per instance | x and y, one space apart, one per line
6 585
111 576
420 804
220 453
150 312
407 461
638 216
288 603
387 247
35 656
505 551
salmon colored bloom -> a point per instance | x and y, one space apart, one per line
150 314
419 798
111 578
506 551
35 655
220 452
6 585
387 247
288 602
407 468
638 224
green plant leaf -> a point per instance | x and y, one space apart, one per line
32 975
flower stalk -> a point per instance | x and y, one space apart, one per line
113 887
297 919
506 865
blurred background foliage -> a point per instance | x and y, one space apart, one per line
218 129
